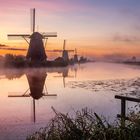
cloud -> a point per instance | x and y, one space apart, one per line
12 49
5 47
126 38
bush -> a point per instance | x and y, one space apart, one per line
14 61
86 125
9 60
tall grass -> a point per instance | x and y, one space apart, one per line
86 125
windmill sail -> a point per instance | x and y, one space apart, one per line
64 48
36 51
49 34
55 50
64 45
17 36
33 20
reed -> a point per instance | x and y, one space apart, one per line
86 125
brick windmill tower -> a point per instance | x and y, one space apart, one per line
36 40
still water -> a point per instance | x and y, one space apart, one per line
27 95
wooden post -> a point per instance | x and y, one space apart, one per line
123 105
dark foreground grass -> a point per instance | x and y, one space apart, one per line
86 125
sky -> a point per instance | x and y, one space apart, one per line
94 27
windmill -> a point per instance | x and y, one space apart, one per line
64 52
37 88
75 56
36 40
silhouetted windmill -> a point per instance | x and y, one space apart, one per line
36 51
75 56
65 53
36 86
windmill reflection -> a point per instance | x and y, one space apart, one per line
37 88
65 74
36 84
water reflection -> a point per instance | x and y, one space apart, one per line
78 93
65 74
37 84
37 88
12 74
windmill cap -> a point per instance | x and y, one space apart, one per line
36 35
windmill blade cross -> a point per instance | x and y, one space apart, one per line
62 50
49 34
64 45
45 44
18 95
50 95
32 20
17 36
69 76
23 95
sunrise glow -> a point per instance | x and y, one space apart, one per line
95 28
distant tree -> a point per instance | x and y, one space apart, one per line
9 60
14 61
19 61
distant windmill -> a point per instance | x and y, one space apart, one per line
65 52
75 56
36 51
36 87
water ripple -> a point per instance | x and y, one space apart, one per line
119 86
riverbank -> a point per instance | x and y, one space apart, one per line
18 61
86 124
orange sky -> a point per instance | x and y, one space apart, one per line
86 49
95 28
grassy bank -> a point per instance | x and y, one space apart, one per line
87 125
